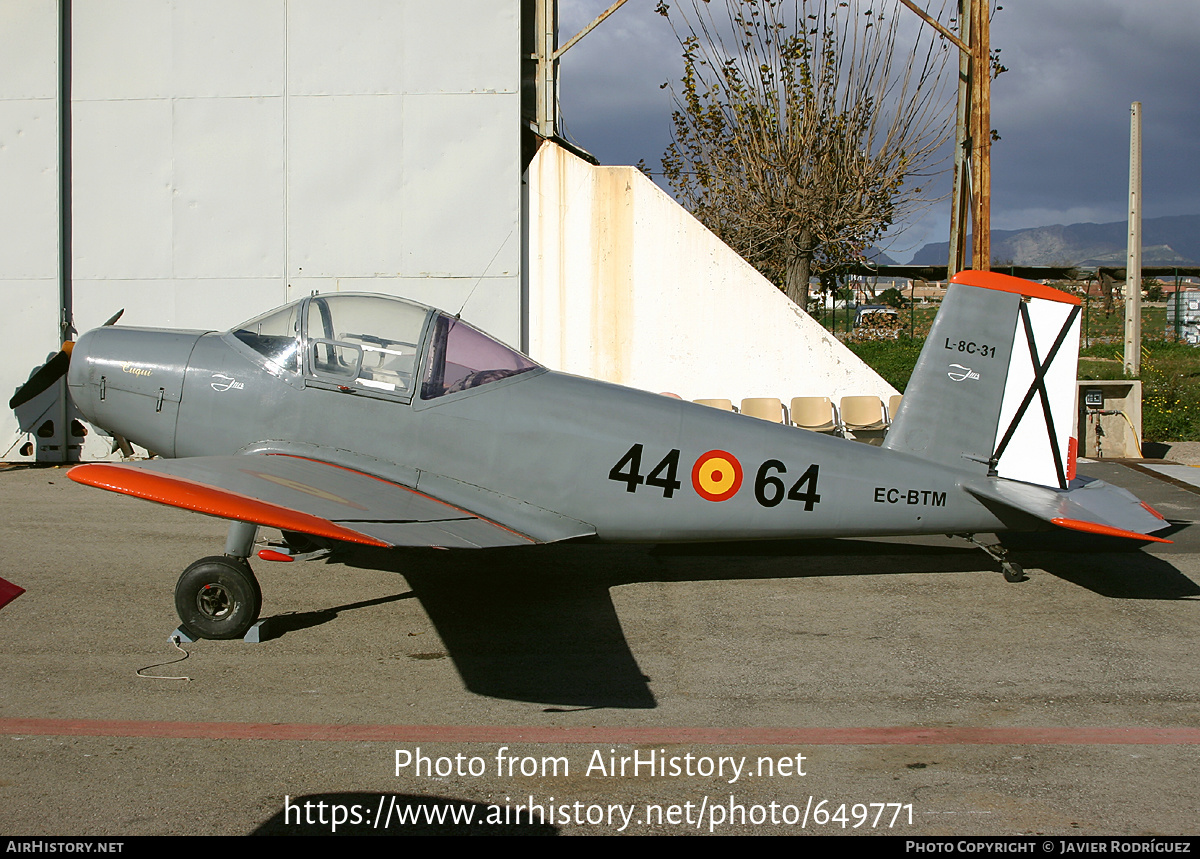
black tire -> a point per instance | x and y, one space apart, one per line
1012 572
218 597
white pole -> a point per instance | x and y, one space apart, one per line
1133 251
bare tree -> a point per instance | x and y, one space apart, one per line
802 128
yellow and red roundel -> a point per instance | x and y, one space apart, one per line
717 475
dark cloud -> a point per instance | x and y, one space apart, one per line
1062 109
609 95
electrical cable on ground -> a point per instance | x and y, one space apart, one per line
174 641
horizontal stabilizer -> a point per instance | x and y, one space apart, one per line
1088 505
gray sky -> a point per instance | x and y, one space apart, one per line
1062 109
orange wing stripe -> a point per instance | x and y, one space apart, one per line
1093 528
190 495
1007 283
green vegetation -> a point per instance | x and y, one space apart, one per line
1170 385
892 359
1170 375
1099 328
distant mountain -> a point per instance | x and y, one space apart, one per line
1165 241
878 257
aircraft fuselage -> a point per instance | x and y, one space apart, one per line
633 465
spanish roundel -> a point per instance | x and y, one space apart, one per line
717 475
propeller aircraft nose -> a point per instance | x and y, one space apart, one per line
51 371
45 376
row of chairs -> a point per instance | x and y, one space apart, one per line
866 418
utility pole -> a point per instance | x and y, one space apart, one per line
960 195
1133 248
973 132
981 135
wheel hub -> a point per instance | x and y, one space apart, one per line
214 601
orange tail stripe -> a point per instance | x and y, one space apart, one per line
1007 283
1093 528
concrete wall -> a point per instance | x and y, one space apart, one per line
231 155
627 286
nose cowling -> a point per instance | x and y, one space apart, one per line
129 381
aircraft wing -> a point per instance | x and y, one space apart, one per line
294 493
1089 505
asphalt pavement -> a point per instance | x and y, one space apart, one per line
861 686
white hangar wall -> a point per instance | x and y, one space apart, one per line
627 286
29 178
230 155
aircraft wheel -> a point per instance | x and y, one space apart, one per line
218 597
1013 572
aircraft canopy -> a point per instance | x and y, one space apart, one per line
381 344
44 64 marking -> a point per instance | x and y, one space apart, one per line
717 476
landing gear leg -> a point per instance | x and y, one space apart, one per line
1013 572
240 541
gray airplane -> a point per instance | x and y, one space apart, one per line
348 418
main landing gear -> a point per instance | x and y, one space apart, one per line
1013 572
219 597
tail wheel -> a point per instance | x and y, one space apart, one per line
1013 572
218 597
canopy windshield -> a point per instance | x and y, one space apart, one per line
275 335
462 357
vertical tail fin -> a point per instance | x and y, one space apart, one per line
994 388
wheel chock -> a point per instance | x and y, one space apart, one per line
254 635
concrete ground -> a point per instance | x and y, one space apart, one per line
924 694
1184 452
